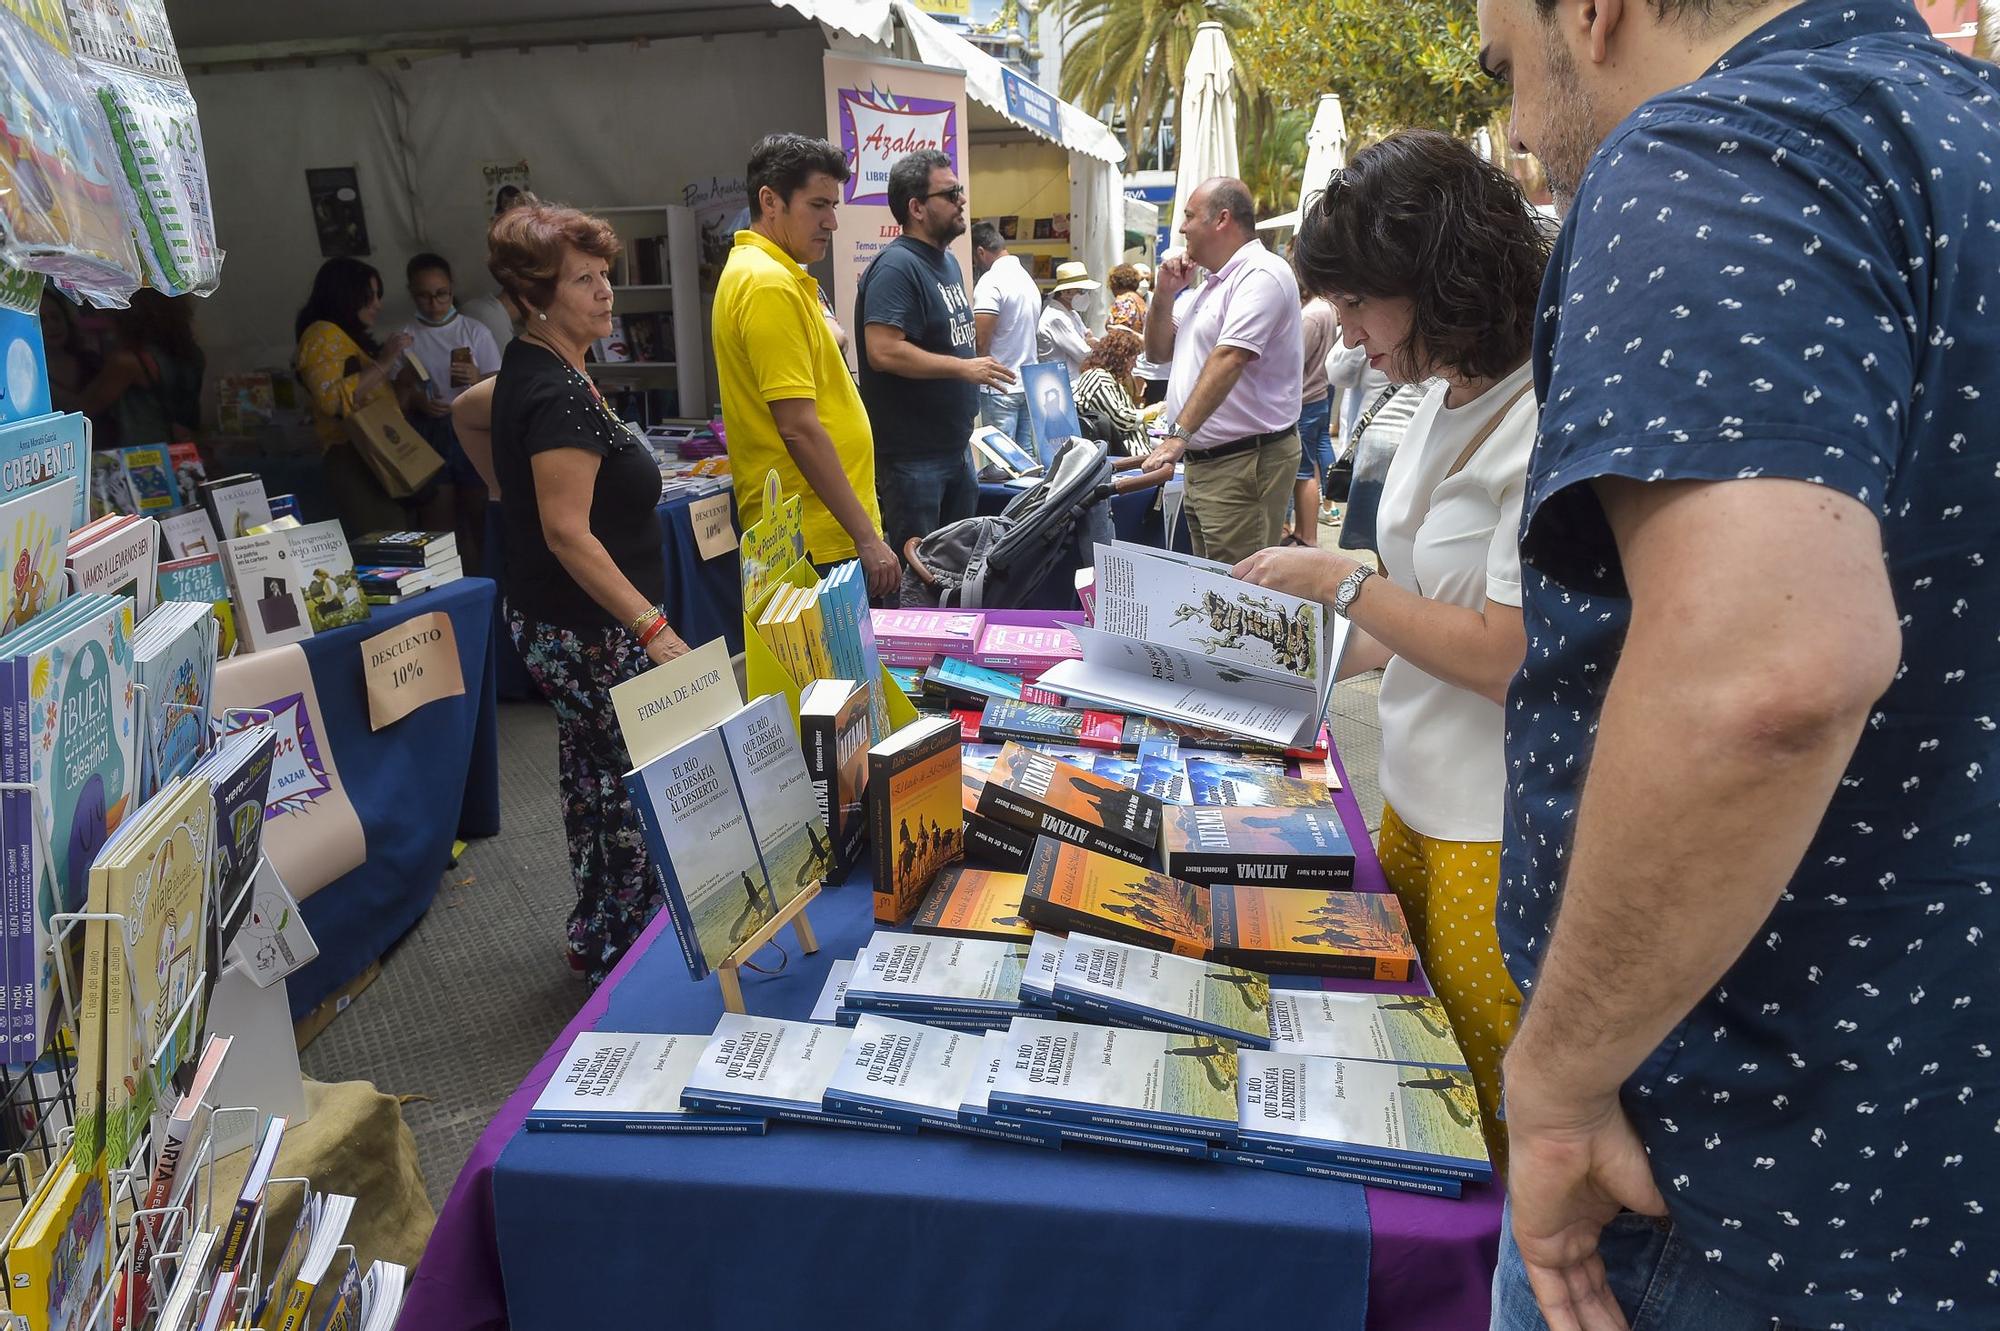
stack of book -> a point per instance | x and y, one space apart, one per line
611 1082
963 983
236 504
918 637
201 578
173 662
1277 930
59 1246
395 565
1026 649
916 812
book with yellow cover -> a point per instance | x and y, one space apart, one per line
1069 888
975 903
916 808
1294 931
812 633
61 1255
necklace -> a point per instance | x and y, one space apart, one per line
588 384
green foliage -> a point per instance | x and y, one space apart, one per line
1396 64
1132 54
1271 148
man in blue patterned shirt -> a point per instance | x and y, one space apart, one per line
1754 750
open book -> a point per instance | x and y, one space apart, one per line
1177 637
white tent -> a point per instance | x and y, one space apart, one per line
1207 118
1326 152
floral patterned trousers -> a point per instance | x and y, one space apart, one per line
616 893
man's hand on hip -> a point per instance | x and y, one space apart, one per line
1574 1162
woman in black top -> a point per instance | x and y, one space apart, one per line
584 571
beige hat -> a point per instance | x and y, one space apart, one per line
1072 276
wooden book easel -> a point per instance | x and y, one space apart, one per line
793 912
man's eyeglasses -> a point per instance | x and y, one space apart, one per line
956 194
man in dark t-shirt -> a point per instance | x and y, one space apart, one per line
920 378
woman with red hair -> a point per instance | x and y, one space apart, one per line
585 575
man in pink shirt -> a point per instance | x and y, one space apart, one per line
1238 359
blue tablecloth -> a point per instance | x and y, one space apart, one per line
417 785
833 1229
704 596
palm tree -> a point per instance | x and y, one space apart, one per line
1271 148
1132 54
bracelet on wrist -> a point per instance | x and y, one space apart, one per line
641 621
652 631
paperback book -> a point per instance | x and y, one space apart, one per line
1378 1028
1234 784
1421 1184
698 836
118 557
332 592
1123 985
42 450
1126 1080
151 478
268 586
1036 793
1422 1120
913 637
1287 931
957 681
406 549
189 533
1038 974
903 1072
611 1082
975 903
1026 649
173 660
236 504
834 728
988 843
1273 847
1179 638
976 1114
916 813
763 1067
1073 889
1001 720
34 539
912 973
833 994
777 792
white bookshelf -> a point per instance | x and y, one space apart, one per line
679 295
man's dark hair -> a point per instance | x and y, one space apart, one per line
910 179
986 236
1420 215
786 162
1700 15
1235 196
424 263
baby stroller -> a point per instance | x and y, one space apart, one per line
1003 562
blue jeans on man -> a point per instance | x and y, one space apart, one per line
923 492
1660 1282
1008 413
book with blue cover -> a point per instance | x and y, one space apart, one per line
612 1082
42 450
907 973
151 478
1405 1117
1128 1080
956 679
1379 1028
173 659
904 1072
1126 985
1274 847
769 1068
777 792
1240 785
1368 1178
702 849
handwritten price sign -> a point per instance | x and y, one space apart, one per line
410 665
714 532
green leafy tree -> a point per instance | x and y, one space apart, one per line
1132 53
1396 64
1271 149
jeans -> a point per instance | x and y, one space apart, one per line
1661 1283
1008 413
1316 444
920 494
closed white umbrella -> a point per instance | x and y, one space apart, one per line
1206 125
1326 151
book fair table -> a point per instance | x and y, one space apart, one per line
379 808
704 598
546 1230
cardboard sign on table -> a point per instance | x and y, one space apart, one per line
714 529
312 833
410 665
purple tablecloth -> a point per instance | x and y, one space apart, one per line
1430 1264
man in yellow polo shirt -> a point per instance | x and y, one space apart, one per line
788 401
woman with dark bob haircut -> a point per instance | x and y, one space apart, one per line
584 572
1433 261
